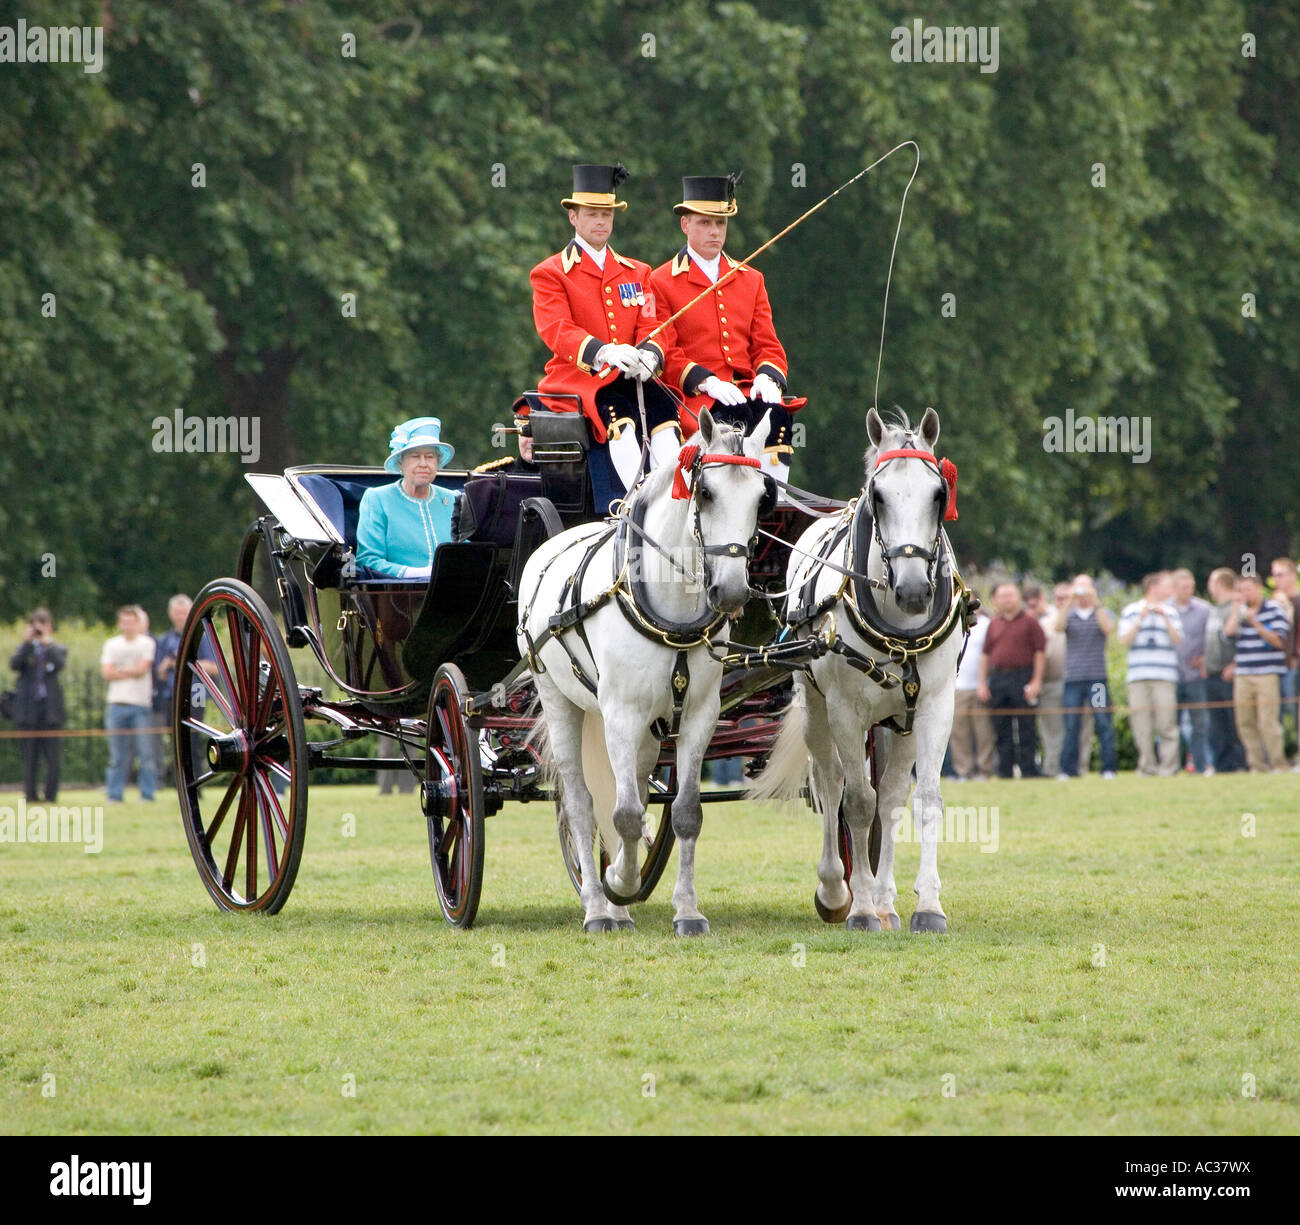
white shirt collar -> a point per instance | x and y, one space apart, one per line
598 256
708 266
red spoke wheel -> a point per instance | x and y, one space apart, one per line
658 846
453 799
241 750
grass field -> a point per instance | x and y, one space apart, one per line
131 1005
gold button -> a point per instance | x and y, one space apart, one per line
724 318
611 314
725 333
609 288
613 327
726 348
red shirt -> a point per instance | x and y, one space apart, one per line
729 332
1012 643
577 308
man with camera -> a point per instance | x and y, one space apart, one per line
38 702
1086 625
1150 628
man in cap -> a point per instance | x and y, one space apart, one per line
594 310
727 353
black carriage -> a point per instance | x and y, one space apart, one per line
430 666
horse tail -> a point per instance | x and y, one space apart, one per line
598 774
787 769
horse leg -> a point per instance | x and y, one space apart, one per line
564 726
927 808
846 726
645 765
832 897
895 782
688 814
625 730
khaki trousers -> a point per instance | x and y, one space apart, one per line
974 748
1255 703
1153 713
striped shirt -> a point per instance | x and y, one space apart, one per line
1152 656
1254 656
1085 647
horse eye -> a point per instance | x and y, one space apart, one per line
706 494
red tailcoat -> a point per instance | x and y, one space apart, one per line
578 307
728 332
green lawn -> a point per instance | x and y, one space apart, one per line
1015 1021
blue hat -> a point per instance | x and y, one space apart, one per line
417 432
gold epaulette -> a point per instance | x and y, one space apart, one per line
493 464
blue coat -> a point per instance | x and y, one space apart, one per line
397 533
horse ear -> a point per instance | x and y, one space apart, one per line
706 426
754 440
930 428
875 427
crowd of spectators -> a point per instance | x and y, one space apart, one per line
1209 682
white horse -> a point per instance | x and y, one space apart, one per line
885 575
616 621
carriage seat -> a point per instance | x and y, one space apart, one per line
338 497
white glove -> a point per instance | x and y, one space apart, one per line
724 393
625 357
647 365
765 388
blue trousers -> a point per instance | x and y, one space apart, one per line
125 723
1094 694
1226 751
1194 724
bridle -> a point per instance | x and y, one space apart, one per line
693 460
946 470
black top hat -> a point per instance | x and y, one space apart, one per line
709 195
593 187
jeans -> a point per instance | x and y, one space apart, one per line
1194 724
1095 694
124 724
1226 752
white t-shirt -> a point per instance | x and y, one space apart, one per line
138 691
968 675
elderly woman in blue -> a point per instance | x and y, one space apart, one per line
400 525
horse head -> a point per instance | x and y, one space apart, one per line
907 497
726 495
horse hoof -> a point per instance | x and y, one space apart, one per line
838 915
690 927
927 921
625 925
617 898
890 922
862 923
598 925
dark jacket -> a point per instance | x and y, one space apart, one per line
24 663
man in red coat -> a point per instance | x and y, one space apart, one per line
727 353
594 310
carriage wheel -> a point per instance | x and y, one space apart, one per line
658 847
238 732
453 799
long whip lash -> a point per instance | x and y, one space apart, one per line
704 293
